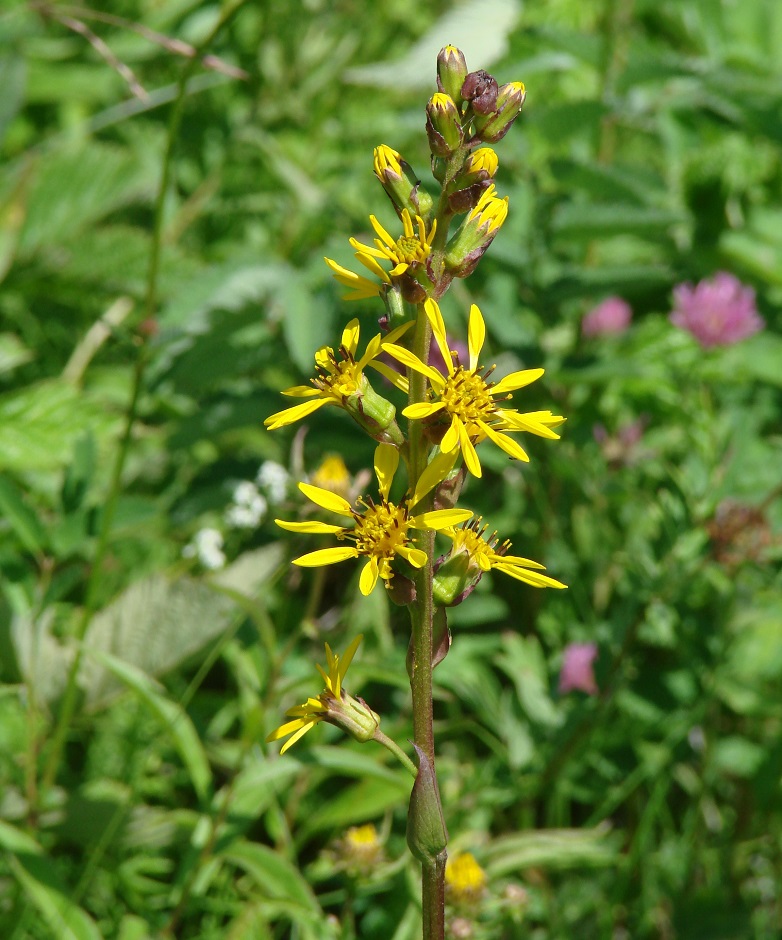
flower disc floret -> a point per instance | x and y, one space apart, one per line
382 529
468 400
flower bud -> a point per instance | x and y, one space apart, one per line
427 836
451 72
398 180
474 179
480 89
443 125
475 234
452 580
493 127
375 414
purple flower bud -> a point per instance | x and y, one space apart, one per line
480 89
717 312
613 315
577 668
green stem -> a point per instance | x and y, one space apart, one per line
70 696
421 618
397 751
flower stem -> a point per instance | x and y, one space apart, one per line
396 750
421 618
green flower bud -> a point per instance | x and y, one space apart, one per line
427 836
451 72
398 180
452 579
493 127
443 125
375 414
475 234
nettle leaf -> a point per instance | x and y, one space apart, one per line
76 187
152 626
40 424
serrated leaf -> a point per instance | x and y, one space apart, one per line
479 28
171 715
152 626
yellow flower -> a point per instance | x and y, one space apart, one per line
381 530
333 475
339 379
465 879
486 554
333 705
468 400
360 850
411 248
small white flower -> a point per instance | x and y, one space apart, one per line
207 546
273 479
248 508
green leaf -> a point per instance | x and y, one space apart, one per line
171 715
593 220
21 517
40 424
42 885
153 626
275 876
523 662
356 804
554 849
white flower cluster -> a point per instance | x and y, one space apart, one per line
207 546
248 507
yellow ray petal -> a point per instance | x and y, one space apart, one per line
423 410
309 528
287 728
382 233
451 439
350 336
368 579
296 413
440 518
299 734
529 577
326 499
386 462
301 391
469 453
435 472
512 448
390 375
517 380
415 556
435 317
413 362
326 556
476 335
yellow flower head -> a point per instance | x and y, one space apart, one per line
360 849
413 247
489 553
339 376
482 159
333 705
465 880
381 530
468 400
490 212
385 158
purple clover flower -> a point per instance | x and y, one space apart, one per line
613 315
578 668
717 312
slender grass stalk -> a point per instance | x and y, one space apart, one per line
70 696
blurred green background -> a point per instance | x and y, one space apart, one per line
173 172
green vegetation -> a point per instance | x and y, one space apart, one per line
166 201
